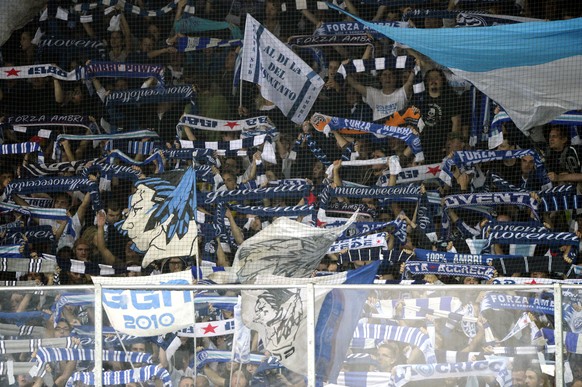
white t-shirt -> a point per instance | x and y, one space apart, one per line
384 105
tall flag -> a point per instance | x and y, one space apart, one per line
145 313
280 318
285 79
531 69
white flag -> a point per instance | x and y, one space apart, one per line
148 312
285 79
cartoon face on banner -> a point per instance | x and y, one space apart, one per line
161 219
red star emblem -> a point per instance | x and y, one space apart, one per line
434 170
311 198
533 282
210 329
12 72
319 223
231 124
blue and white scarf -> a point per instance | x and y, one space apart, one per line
142 374
330 40
56 184
465 159
254 194
150 95
498 367
358 243
133 9
401 133
376 64
59 120
186 43
205 123
22 149
493 300
449 269
123 70
40 71
412 336
31 345
572 341
95 49
466 18
288 211
355 28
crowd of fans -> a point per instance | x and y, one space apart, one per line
441 116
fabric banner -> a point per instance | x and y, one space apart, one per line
495 59
286 248
329 40
285 79
279 316
148 313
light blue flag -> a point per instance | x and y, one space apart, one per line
533 70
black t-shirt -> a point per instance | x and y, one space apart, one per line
566 161
436 114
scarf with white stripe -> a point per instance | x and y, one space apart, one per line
354 28
329 40
31 345
223 147
150 95
133 9
211 124
97 69
412 336
186 43
91 268
207 356
68 120
35 170
142 374
92 49
208 329
466 159
498 367
56 184
22 149
40 71
465 18
572 341
417 308
254 194
48 355
377 64
493 300
14 330
449 269
27 265
154 158
358 243
288 211
402 133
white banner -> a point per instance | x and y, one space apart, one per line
357 243
285 79
148 312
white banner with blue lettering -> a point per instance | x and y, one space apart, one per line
148 312
285 79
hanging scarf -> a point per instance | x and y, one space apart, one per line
93 49
288 211
27 265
